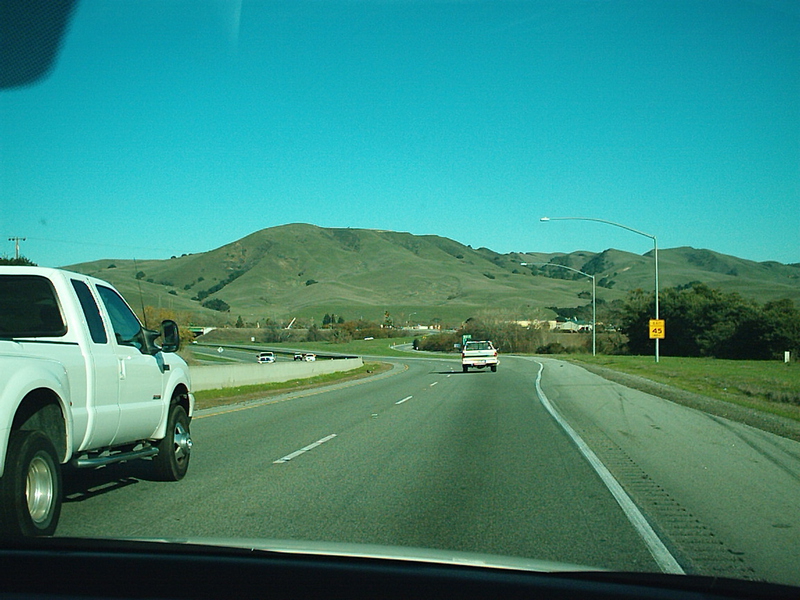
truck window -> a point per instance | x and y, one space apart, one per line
126 325
28 307
91 311
478 346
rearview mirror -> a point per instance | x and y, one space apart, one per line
170 337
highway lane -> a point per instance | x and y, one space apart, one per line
426 457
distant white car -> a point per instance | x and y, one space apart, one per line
309 357
266 357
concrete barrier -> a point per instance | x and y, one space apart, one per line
212 377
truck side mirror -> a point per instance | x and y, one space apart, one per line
170 337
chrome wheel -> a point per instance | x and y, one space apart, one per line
40 489
182 442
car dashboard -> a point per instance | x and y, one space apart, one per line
79 568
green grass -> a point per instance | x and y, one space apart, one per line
242 393
770 386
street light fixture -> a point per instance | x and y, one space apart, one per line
652 237
594 299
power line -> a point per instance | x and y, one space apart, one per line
94 244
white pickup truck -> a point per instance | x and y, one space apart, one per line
478 354
81 382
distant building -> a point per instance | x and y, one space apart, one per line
572 325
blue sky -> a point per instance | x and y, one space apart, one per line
177 127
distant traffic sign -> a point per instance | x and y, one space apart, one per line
656 329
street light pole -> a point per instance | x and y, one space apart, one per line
652 237
594 299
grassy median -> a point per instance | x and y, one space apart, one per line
243 393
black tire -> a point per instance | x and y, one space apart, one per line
494 368
30 489
174 451
464 368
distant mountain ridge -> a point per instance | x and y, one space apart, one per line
301 270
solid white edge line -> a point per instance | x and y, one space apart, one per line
297 453
658 550
404 399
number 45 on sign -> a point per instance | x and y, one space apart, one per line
656 329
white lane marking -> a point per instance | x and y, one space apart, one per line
657 549
289 457
434 383
404 399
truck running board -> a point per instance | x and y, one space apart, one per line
101 461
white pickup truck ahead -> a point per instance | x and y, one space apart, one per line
478 354
81 382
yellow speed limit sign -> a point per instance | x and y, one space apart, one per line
656 329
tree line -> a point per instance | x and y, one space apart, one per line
506 337
20 262
702 321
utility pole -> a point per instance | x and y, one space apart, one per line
16 241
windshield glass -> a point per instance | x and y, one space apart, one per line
607 190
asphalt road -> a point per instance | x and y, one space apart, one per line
427 456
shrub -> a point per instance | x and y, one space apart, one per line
551 348
217 304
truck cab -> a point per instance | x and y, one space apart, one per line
83 382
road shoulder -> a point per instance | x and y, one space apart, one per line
754 418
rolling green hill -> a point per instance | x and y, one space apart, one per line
306 271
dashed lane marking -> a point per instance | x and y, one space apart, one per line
297 453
